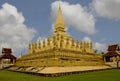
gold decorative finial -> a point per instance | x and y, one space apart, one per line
59 24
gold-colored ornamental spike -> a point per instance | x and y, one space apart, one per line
59 24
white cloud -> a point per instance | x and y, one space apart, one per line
107 8
100 47
75 16
41 39
87 39
13 32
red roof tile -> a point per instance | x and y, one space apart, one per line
6 50
112 50
113 47
7 54
111 53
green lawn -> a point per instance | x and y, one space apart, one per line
105 75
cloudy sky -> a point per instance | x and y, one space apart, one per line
27 20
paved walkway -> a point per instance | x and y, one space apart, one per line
71 69
113 64
52 70
5 65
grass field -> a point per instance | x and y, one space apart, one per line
105 75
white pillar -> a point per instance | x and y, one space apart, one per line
1 64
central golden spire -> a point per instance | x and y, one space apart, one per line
59 24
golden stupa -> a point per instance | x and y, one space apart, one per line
60 50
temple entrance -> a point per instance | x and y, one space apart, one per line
107 59
110 58
8 61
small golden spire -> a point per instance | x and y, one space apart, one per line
91 45
44 42
81 44
72 42
77 43
29 46
33 47
39 44
48 41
